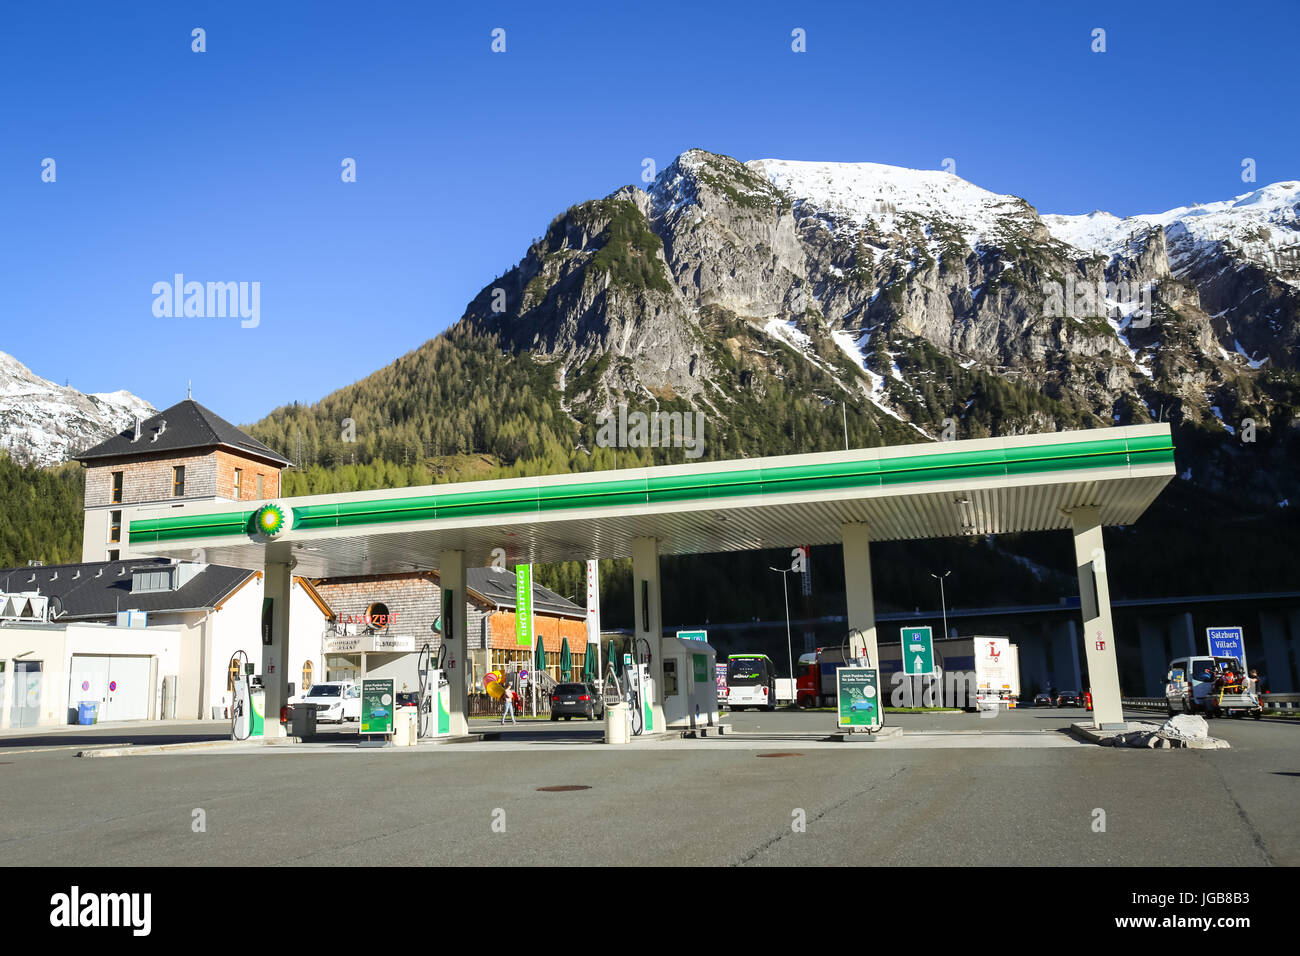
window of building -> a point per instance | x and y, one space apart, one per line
239 478
114 555
117 488
178 481
260 493
114 527
306 676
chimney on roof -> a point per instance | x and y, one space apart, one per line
138 423
162 427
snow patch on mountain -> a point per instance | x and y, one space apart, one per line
787 331
855 194
852 345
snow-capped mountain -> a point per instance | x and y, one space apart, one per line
42 423
767 294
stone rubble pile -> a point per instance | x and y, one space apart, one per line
1179 731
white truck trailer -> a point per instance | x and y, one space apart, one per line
973 673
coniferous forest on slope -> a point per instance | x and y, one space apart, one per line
459 408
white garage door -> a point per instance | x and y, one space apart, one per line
120 684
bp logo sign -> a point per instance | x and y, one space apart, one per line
269 520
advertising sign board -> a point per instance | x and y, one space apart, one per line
377 706
857 694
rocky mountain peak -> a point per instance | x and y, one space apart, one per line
930 303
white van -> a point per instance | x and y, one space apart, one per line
1191 688
333 701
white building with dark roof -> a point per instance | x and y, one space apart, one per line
146 638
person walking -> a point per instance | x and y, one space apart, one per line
509 698
1256 687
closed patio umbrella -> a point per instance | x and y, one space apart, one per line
566 659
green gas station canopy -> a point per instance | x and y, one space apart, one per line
982 486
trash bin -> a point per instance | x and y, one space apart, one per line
616 723
303 721
405 727
87 712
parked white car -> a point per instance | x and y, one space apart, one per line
334 701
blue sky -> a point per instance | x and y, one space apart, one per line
225 165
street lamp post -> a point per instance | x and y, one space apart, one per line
943 603
785 592
942 599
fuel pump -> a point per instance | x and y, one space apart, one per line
640 686
248 713
435 691
857 655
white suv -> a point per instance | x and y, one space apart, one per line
334 701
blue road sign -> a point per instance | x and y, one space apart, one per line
1227 642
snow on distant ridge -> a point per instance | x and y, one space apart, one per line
42 423
1255 224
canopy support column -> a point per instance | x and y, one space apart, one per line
1098 634
278 590
455 636
857 586
648 625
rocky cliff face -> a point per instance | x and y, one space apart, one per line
929 305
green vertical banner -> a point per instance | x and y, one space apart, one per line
523 605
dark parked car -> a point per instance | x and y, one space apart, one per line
1069 698
576 700
1043 700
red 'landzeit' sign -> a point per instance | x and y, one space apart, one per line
373 620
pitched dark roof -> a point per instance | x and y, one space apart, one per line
99 589
498 586
188 426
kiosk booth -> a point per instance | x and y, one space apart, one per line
690 690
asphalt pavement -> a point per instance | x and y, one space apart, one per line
961 790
